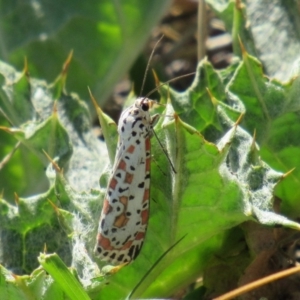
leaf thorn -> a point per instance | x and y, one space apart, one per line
156 79
54 164
109 270
287 173
54 109
213 100
95 103
67 63
17 199
244 52
253 140
25 69
54 207
238 121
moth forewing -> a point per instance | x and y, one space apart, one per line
125 212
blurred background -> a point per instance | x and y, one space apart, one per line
111 43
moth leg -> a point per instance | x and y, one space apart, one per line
154 120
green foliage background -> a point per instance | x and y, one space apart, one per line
223 177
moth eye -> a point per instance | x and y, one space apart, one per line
145 106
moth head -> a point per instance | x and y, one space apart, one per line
145 104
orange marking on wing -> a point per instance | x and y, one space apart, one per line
127 245
147 144
130 149
104 242
122 165
146 195
140 236
145 215
128 178
106 207
121 221
113 183
148 161
124 200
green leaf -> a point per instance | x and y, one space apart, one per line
194 105
276 36
33 220
272 35
61 274
272 111
109 130
106 37
8 288
234 15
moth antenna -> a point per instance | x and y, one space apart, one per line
165 152
148 65
167 82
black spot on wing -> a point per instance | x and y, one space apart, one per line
141 185
102 223
123 190
136 120
137 250
131 251
127 239
120 258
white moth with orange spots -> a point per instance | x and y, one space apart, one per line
125 211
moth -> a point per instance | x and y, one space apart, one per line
124 217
